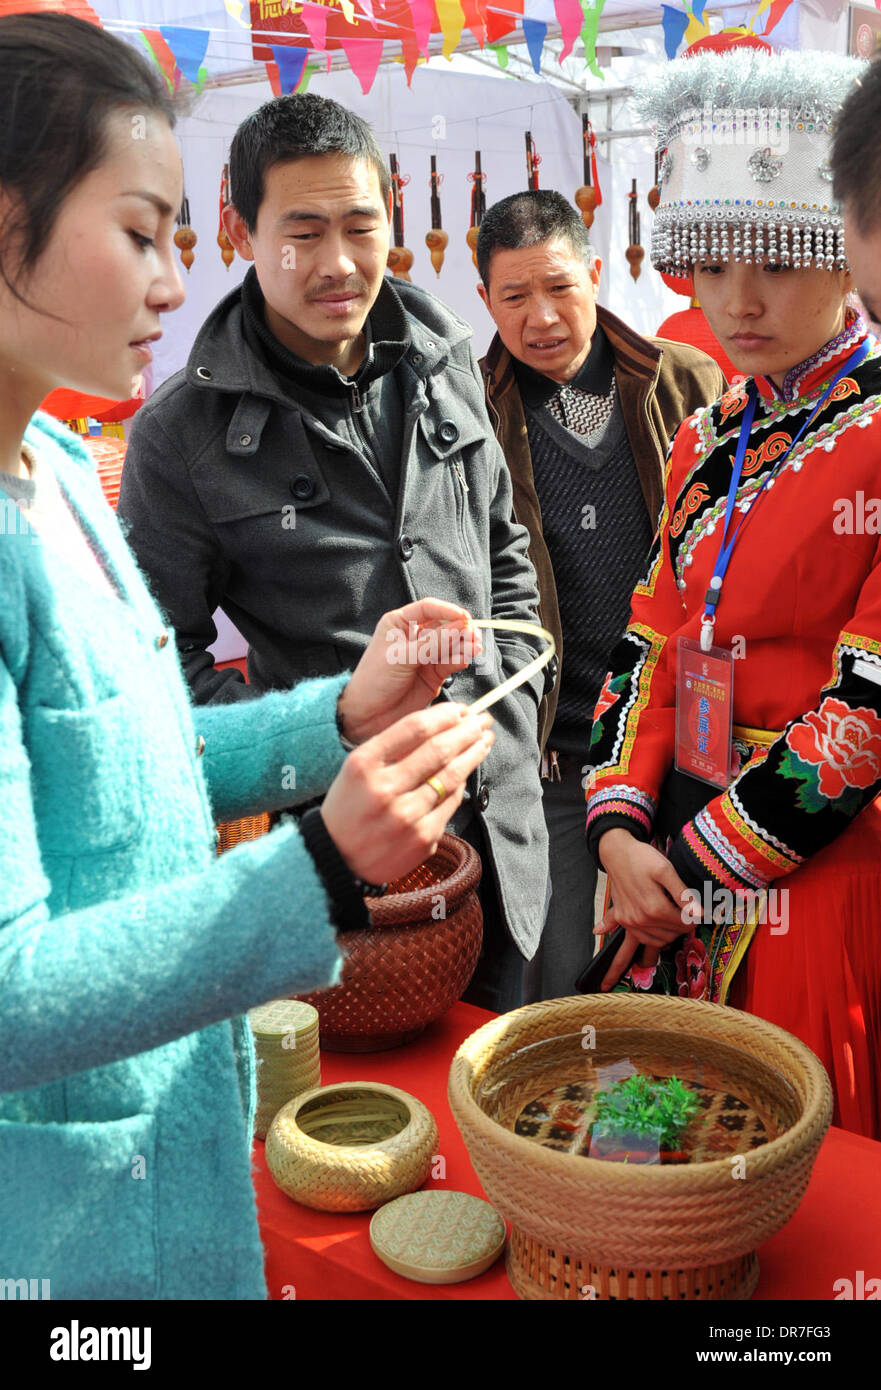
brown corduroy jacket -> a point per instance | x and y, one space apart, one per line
659 384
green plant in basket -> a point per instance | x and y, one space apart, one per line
639 1106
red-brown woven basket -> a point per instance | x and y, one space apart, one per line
412 964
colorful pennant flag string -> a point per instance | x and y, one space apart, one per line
674 24
234 10
189 47
315 20
422 12
775 10
475 19
569 18
534 31
452 22
363 56
592 10
290 62
162 56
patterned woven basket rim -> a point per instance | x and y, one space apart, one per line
389 910
321 1149
812 1089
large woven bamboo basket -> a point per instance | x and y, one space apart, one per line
415 961
588 1228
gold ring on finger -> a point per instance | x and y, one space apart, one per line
437 786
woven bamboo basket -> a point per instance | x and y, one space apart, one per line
233 832
352 1146
584 1227
412 964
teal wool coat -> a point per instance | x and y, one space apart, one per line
128 950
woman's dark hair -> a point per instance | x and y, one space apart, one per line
60 78
294 127
529 219
855 158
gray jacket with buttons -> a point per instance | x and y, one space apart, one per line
236 495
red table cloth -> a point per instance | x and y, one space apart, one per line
835 1234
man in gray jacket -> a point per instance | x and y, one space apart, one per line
325 456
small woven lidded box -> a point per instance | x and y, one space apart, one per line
521 1088
351 1146
288 1058
438 1237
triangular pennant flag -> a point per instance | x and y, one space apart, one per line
569 19
200 81
409 54
674 24
592 11
475 19
452 22
188 46
363 56
501 52
776 11
367 7
329 62
498 25
162 56
290 63
697 10
307 77
422 12
315 19
697 29
348 10
534 31
234 10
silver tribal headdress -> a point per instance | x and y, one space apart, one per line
744 139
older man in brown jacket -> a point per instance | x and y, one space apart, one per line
584 409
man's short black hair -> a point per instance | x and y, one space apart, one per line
295 127
528 219
856 152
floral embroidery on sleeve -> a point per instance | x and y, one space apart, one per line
835 751
608 696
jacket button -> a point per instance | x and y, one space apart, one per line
483 796
416 357
448 431
245 440
204 373
405 547
200 746
303 487
161 641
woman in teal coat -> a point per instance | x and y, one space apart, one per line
128 951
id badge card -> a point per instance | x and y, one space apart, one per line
704 705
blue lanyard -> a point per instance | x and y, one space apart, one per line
714 592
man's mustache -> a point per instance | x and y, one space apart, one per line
336 289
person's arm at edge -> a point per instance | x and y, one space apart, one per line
179 554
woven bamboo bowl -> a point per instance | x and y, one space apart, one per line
411 965
584 1227
352 1146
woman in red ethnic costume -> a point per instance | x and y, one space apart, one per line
776 868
